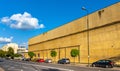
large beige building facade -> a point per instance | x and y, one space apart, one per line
104 38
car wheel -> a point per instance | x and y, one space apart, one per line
93 65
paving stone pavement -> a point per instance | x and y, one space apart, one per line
1 69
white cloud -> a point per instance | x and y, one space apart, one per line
41 26
22 21
25 44
5 39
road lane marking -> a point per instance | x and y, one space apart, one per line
24 67
47 67
13 68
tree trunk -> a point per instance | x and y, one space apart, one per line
74 60
54 59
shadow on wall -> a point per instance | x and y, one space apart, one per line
116 59
50 69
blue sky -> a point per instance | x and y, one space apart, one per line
21 20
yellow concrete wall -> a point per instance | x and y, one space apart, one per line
108 15
104 37
105 42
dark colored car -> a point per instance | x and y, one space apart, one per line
64 61
7 58
26 59
103 63
40 60
1 60
48 61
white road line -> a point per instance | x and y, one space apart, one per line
48 67
13 68
24 67
27 67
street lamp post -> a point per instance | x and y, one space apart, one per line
83 8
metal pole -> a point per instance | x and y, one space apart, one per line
79 53
88 39
59 52
83 8
65 52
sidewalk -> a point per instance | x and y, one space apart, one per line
77 64
1 69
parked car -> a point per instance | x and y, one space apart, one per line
7 58
48 61
1 60
103 63
26 59
64 61
40 60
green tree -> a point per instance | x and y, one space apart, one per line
10 52
31 54
74 53
2 53
17 55
53 54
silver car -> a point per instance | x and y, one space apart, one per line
48 61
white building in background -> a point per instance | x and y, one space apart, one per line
16 48
12 45
22 49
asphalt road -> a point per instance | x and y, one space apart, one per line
11 65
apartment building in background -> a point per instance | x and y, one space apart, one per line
16 48
12 45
